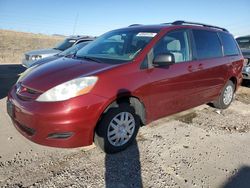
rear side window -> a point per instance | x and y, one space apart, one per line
207 44
229 44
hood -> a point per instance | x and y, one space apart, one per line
48 75
43 52
246 53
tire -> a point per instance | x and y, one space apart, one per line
226 96
113 134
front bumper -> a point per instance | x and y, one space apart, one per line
246 72
73 120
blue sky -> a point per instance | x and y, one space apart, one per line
96 17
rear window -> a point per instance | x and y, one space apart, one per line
229 44
67 43
207 44
244 42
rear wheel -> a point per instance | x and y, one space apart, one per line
117 128
226 96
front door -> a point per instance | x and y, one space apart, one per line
173 88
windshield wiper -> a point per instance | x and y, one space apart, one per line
89 58
69 55
58 49
58 55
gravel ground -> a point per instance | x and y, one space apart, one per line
202 147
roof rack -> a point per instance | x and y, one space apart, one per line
133 25
181 22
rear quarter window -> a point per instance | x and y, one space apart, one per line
207 44
229 44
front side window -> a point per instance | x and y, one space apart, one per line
175 43
118 46
207 44
229 44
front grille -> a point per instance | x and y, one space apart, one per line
31 91
29 131
27 57
246 53
25 93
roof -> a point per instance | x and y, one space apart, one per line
246 36
179 23
78 37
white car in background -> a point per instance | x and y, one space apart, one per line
244 43
34 55
70 52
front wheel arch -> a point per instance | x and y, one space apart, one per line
134 102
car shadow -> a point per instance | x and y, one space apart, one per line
240 179
123 169
9 73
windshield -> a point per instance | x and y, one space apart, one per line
73 49
65 44
118 46
244 42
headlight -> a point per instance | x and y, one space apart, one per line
36 57
68 90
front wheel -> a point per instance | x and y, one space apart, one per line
226 96
117 128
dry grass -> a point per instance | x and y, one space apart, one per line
14 44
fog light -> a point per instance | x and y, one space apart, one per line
60 135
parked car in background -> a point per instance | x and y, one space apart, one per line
66 53
244 43
125 79
34 55
9 73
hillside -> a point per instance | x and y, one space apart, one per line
13 44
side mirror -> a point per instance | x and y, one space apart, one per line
164 60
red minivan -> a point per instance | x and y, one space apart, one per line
125 79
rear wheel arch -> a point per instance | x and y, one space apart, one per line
234 80
226 95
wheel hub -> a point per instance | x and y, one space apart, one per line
121 129
228 95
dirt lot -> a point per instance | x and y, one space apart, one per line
202 147
14 44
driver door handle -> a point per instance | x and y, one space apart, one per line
200 66
191 68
